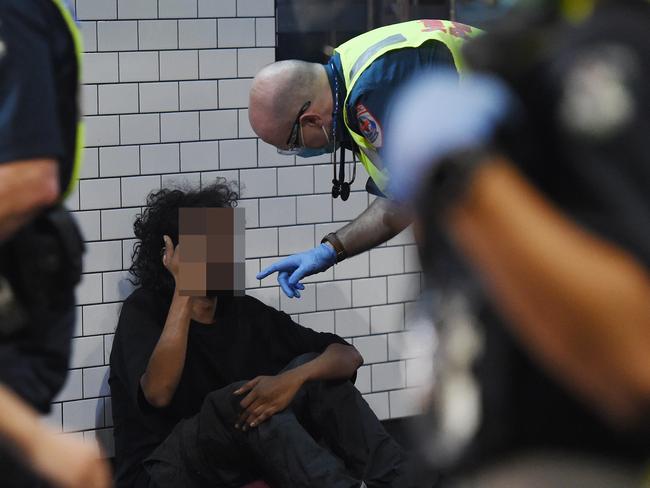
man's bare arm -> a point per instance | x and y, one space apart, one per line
381 221
25 188
580 303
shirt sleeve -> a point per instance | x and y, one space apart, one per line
29 125
137 334
372 94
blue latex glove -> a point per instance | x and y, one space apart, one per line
294 268
435 115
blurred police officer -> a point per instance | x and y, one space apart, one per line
540 183
40 245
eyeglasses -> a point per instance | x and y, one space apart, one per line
293 146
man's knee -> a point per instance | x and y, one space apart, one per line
223 402
300 360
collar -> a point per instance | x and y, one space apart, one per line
336 80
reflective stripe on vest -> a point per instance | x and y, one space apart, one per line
77 40
358 54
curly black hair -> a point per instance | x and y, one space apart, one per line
160 218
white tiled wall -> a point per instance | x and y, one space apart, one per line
165 100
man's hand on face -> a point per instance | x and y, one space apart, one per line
171 257
267 395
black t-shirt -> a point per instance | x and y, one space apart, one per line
248 339
584 144
38 117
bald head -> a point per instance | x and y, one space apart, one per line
278 93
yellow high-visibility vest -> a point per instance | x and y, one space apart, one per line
358 54
77 39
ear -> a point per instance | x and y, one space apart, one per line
311 120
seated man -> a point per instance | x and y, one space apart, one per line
213 388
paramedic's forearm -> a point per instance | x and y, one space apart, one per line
381 221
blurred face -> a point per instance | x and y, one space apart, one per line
211 246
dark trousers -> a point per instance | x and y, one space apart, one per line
328 438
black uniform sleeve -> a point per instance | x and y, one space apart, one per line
29 126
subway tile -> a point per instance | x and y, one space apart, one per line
100 319
54 419
136 188
258 182
313 208
100 68
90 166
323 178
89 223
139 66
333 295
354 267
117 35
83 415
89 289
218 124
250 61
374 349
269 296
386 260
198 156
255 8
306 302
230 176
72 388
137 9
177 9
89 100
140 129
89 35
403 288
353 322
118 99
363 382
198 95
116 285
296 239
404 345
379 404
218 63
181 180
159 97
127 252
159 158
403 238
102 130
419 372
197 34
387 318
265 32
71 201
119 161
96 9
411 259
370 291
234 93
102 256
252 212
318 321
296 181
158 34
95 381
238 153
252 268
236 32
118 223
388 376
103 193
261 242
245 129
277 211
352 208
406 403
179 65
220 8
269 156
179 126
87 351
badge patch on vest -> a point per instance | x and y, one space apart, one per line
369 126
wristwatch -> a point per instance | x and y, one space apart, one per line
336 243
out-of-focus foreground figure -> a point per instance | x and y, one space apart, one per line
533 201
